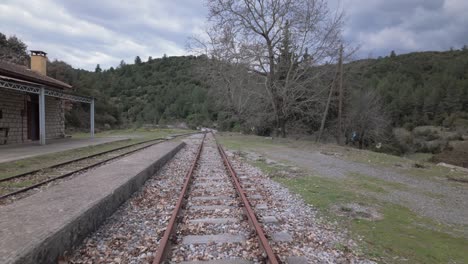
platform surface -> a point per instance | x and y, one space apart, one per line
35 221
27 150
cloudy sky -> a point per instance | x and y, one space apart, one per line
87 32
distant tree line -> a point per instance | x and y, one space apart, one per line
421 88
159 91
220 88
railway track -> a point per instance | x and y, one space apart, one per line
22 183
213 218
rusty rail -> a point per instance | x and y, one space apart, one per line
39 184
24 174
271 257
165 241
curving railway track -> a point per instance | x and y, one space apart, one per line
17 185
213 215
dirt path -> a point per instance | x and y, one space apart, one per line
443 202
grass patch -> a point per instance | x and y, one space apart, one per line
8 169
458 178
239 142
377 184
433 171
401 236
420 157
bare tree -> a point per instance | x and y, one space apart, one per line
236 89
366 120
280 41
235 86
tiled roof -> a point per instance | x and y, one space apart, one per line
22 73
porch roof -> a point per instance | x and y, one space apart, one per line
34 88
23 73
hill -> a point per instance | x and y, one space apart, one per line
159 91
420 88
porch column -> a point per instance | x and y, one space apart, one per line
42 128
91 111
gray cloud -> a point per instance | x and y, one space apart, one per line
380 26
85 33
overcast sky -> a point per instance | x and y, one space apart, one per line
87 32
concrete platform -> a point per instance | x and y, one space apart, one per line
39 228
28 150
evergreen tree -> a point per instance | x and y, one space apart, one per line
98 69
122 64
13 50
137 60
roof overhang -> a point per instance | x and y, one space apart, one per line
35 88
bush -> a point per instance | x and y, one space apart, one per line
454 136
434 147
427 133
409 126
401 142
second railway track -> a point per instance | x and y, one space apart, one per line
22 183
213 216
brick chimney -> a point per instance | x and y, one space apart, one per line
39 61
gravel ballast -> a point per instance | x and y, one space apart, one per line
213 225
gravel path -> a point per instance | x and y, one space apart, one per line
439 200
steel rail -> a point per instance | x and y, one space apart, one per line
265 245
88 157
81 169
165 240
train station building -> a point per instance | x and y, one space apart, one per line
32 104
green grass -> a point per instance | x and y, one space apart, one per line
419 157
373 183
400 235
8 169
246 142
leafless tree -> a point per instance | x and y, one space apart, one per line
280 41
366 120
233 83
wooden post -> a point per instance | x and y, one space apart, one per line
325 113
91 122
340 100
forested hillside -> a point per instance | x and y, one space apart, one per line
409 90
159 91
424 88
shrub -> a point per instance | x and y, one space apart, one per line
434 147
454 136
427 133
401 142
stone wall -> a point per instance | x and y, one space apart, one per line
55 118
11 105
